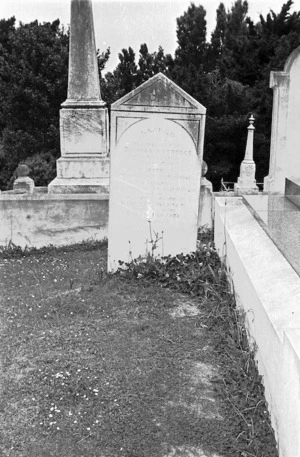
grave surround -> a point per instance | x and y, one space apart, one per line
157 133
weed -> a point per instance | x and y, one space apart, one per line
200 274
94 364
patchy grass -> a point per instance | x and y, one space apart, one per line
151 362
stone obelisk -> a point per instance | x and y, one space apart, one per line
83 166
246 182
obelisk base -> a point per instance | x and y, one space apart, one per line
246 182
81 175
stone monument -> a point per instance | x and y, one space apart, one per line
83 166
156 156
285 135
246 182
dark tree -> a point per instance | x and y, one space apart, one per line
191 37
33 84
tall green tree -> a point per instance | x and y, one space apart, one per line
215 47
191 37
33 84
128 74
150 64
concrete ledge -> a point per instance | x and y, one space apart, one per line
7 196
40 220
268 289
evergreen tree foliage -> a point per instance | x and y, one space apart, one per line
191 37
128 75
228 73
33 84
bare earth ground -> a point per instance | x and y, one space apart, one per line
108 367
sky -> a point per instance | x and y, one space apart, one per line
124 23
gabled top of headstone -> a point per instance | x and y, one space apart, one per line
159 94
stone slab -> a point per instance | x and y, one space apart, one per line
78 186
155 185
292 191
268 290
157 133
281 221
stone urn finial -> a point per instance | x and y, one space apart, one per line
23 170
23 183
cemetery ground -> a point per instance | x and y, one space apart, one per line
151 362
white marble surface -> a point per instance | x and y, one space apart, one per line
281 220
155 185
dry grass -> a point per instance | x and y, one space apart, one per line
107 366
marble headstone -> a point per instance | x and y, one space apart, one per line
156 156
285 136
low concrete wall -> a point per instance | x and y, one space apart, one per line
268 289
39 220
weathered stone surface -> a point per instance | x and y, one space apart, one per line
83 131
155 173
246 181
83 167
83 84
285 137
23 170
24 183
40 219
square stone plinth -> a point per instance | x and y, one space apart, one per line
74 167
83 131
81 175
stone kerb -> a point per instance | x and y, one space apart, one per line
157 133
268 289
284 156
